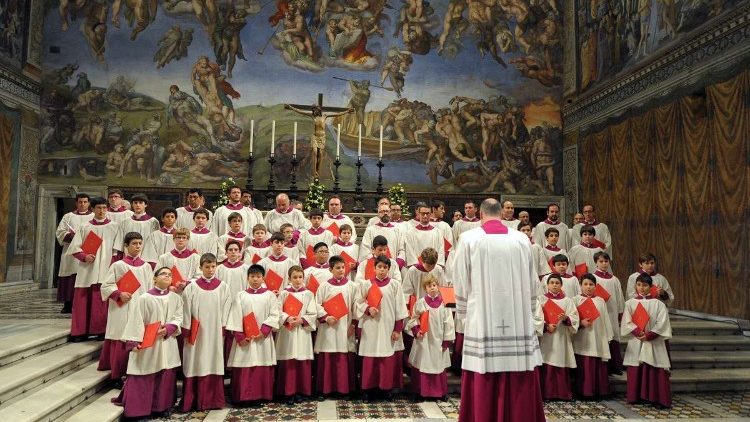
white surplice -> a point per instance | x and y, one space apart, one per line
427 353
296 343
94 272
594 341
117 314
653 352
69 225
265 307
211 309
557 347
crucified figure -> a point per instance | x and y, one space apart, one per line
318 137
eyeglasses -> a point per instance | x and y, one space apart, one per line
169 274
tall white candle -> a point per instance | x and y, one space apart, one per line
252 130
273 136
294 145
359 142
380 153
338 140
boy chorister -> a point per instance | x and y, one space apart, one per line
235 233
151 385
276 264
379 248
320 268
186 261
202 240
206 303
429 357
615 306
89 310
536 250
259 247
646 355
545 265
294 346
291 238
139 221
314 235
66 230
233 270
334 342
647 265
582 256
117 211
344 244
114 357
161 241
591 342
556 341
416 273
570 285
253 356
381 311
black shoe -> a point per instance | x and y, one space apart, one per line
299 398
290 400
99 337
76 339
67 308
117 384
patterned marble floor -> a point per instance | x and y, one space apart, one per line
723 406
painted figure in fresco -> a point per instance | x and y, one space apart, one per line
90 135
453 21
533 68
173 45
543 158
449 127
213 89
295 38
178 158
491 124
412 26
138 12
644 15
115 158
360 98
227 43
82 85
318 137
395 67
187 111
442 165
90 100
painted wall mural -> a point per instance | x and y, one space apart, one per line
614 35
147 93
13 27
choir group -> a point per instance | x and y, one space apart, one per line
290 307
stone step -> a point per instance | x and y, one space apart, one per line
685 359
97 408
692 380
57 398
708 343
28 373
28 340
696 327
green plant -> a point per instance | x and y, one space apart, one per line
224 195
397 195
315 198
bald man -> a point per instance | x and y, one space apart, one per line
285 213
334 215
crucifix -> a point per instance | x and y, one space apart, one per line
319 115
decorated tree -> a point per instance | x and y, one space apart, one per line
315 198
397 195
224 194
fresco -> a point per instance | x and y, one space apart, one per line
147 93
13 21
613 35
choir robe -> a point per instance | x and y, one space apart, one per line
253 249
340 220
429 356
160 242
351 249
257 214
591 348
373 220
204 241
495 294
658 279
185 217
114 356
294 347
557 348
615 307
539 229
275 218
321 272
226 237
536 254
391 233
144 225
570 285
291 251
280 265
393 272
220 222
583 254
544 264
463 225
647 361
412 283
118 215
334 360
207 301
381 364
602 234
511 224
66 275
419 238
187 262
253 364
89 310
234 274
447 233
151 385
312 237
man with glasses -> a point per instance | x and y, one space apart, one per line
195 201
117 211
376 219
384 228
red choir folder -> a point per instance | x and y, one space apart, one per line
388 252
410 305
310 254
91 244
313 284
587 310
194 326
334 228
374 296
292 306
149 335
580 270
551 265
349 261
601 292
370 269
552 312
127 283
273 281
598 243
250 326
256 258
448 294
446 246
424 322
336 306
640 317
177 278
654 293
